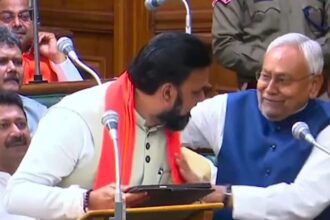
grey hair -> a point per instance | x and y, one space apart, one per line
311 49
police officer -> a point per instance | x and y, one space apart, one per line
242 29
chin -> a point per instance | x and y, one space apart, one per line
272 116
11 88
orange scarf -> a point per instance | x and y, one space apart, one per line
120 98
29 67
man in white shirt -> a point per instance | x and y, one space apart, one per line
263 172
14 141
69 167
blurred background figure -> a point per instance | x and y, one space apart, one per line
14 141
16 15
242 30
11 76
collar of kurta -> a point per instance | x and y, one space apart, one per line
120 98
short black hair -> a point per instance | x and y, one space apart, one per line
9 39
168 58
12 99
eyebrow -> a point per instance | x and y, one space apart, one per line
277 73
11 12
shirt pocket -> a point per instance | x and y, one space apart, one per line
265 17
264 10
315 17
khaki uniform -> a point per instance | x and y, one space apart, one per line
243 29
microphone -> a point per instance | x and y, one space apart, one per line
65 45
110 121
153 4
300 130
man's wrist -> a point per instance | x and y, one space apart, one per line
228 197
57 58
86 200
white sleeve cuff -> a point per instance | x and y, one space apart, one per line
75 208
66 71
248 202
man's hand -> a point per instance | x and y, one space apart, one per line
216 196
104 198
48 47
186 172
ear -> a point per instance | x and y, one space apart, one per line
168 93
316 85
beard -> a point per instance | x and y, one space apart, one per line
172 119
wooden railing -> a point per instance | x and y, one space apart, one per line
55 88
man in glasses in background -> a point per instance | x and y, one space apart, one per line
54 65
242 30
264 173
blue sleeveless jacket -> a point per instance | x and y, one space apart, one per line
258 152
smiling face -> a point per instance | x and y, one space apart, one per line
15 15
285 84
14 137
11 69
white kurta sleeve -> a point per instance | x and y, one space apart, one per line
305 198
205 127
66 71
50 157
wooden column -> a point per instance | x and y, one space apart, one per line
132 29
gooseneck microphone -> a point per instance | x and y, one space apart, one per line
65 45
154 4
300 130
110 121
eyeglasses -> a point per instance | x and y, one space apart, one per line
8 17
17 62
281 80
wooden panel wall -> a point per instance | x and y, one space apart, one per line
108 33
92 25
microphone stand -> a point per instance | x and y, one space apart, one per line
188 16
37 75
120 207
87 69
310 139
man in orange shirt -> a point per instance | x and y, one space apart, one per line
54 65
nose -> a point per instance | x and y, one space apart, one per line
271 87
15 130
11 65
202 96
16 21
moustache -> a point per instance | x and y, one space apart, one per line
12 77
16 142
18 30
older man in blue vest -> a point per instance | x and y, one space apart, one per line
263 172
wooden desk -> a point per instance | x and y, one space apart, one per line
54 88
176 212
